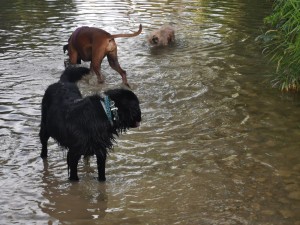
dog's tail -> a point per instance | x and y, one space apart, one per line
65 48
128 35
74 74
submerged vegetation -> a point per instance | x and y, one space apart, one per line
282 43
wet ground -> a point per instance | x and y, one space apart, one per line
217 145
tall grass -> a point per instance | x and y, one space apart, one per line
282 43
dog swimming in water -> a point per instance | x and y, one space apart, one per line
162 36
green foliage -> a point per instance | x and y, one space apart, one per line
282 43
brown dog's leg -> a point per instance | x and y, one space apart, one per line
98 55
113 62
73 56
96 68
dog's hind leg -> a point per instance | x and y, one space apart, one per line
44 136
101 166
96 65
72 160
74 57
114 64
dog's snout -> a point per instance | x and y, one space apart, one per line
155 39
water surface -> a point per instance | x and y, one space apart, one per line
217 145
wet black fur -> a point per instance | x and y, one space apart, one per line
81 124
65 48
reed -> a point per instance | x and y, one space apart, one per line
282 43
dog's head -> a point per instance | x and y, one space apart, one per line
128 105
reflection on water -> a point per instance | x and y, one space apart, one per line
217 144
82 201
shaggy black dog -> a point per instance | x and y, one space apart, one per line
85 126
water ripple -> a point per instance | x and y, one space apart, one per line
212 148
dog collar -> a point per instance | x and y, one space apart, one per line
110 109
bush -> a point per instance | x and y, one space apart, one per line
282 43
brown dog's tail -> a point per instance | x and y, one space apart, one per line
128 35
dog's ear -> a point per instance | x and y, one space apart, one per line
155 39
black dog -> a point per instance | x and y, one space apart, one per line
85 126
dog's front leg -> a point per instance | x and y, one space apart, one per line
44 136
72 160
101 167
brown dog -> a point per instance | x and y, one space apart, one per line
162 37
93 44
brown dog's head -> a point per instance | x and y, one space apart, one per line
162 37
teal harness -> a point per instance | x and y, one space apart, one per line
110 109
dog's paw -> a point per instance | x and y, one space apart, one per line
101 179
44 156
100 79
127 85
74 179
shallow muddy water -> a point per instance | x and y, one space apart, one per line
217 144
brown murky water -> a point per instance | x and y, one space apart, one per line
217 144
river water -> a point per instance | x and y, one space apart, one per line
217 144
